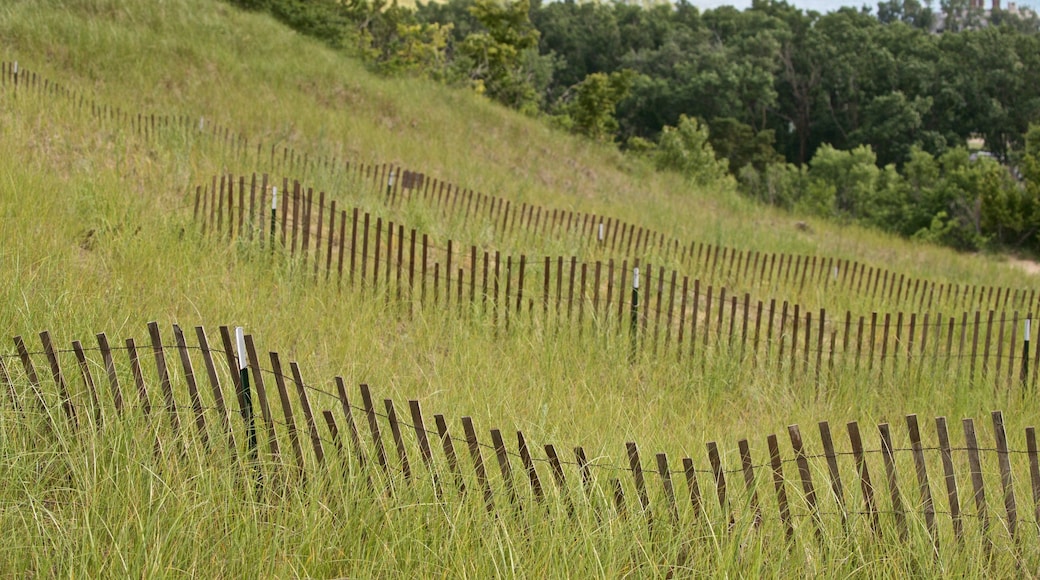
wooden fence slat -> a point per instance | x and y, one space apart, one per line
425 452
449 451
637 477
308 415
666 483
88 380
587 483
778 485
693 487
720 481
138 375
532 472
211 372
164 377
478 463
395 432
258 384
559 478
951 478
922 480
290 421
832 468
110 370
978 487
749 480
373 425
806 476
505 467
1005 474
1034 470
867 488
193 389
59 379
893 481
355 436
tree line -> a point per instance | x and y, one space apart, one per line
903 118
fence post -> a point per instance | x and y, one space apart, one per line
164 377
59 379
110 369
1034 469
290 421
893 483
395 431
832 467
478 463
666 483
971 442
532 473
951 478
424 446
1005 474
720 480
693 486
749 480
778 484
377 440
864 477
261 390
1025 357
312 426
637 476
193 389
88 379
922 480
449 451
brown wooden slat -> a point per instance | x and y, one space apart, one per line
1005 474
88 380
950 477
922 480
290 420
778 485
308 415
478 463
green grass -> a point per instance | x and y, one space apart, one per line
96 232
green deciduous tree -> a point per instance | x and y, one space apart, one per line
686 149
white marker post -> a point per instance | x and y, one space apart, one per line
390 184
601 233
244 396
1025 357
202 123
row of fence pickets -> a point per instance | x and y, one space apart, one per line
598 231
807 508
359 254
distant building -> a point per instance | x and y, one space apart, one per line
978 16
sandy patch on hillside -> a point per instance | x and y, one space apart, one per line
1029 266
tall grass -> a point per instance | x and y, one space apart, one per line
96 235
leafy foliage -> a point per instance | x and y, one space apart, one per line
687 150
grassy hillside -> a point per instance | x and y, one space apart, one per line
96 235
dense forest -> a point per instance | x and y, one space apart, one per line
901 117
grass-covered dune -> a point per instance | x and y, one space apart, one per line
96 236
